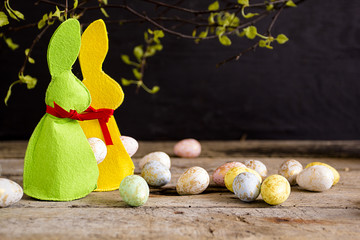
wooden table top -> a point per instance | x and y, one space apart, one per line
216 213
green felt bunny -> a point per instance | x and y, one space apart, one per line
59 163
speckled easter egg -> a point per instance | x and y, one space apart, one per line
219 173
99 148
187 148
10 192
258 166
156 174
275 189
193 181
315 178
232 173
246 186
336 173
290 169
134 190
130 145
156 156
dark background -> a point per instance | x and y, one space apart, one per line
308 88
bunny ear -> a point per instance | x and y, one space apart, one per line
94 45
64 47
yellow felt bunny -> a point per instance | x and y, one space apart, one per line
105 94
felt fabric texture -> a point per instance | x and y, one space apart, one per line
59 163
105 93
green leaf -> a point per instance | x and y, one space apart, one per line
159 34
211 18
126 82
29 80
57 13
11 44
105 2
194 32
42 22
155 89
19 15
281 39
138 52
290 3
104 12
269 7
158 47
9 92
250 32
204 33
220 31
214 6
146 36
150 31
125 59
243 2
3 19
30 59
262 43
240 34
250 15
224 40
150 51
76 2
137 74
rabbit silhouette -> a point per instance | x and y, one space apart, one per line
105 93
59 162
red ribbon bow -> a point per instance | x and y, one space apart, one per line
102 115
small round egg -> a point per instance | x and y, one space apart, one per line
10 192
193 181
99 148
187 148
275 189
315 178
156 174
156 156
336 173
246 186
258 166
290 169
232 173
219 173
130 144
134 190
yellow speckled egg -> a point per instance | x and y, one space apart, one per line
156 174
315 178
232 173
134 190
187 148
336 173
130 144
219 173
157 156
275 189
290 169
258 166
193 181
10 192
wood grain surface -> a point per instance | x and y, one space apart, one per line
216 213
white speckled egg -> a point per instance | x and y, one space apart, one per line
10 192
156 156
336 173
258 166
275 189
134 190
315 178
219 173
99 148
193 181
187 148
290 169
246 186
130 145
232 173
156 174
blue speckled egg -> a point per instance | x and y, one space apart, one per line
156 174
134 190
246 186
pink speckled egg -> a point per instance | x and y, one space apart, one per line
219 173
187 148
130 145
